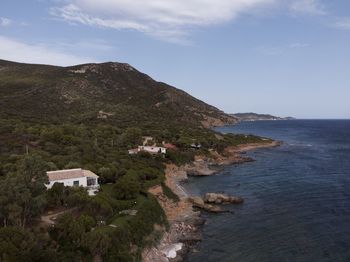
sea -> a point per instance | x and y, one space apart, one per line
297 197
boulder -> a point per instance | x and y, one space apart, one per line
217 198
197 202
213 209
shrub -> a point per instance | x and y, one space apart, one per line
127 187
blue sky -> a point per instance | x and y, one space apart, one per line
284 57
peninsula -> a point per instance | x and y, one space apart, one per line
258 117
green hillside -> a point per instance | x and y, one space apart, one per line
88 116
114 93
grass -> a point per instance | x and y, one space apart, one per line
121 220
107 188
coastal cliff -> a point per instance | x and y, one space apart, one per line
185 221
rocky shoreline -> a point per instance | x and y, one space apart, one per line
183 216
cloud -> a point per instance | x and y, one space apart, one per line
5 21
279 50
14 50
342 23
170 20
309 7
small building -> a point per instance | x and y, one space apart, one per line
149 149
152 149
74 177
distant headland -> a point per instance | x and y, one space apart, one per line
258 117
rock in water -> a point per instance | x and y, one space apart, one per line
217 198
197 202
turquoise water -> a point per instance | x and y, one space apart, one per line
297 196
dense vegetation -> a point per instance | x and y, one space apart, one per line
111 92
50 118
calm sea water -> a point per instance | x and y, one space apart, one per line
297 196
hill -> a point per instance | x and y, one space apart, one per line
257 117
115 93
89 116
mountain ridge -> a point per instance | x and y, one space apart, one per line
78 93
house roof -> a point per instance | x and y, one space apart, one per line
69 174
170 146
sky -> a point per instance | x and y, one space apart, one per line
283 57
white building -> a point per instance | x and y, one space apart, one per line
149 149
152 149
74 177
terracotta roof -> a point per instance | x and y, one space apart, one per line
69 173
170 146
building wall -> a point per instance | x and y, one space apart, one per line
69 182
153 149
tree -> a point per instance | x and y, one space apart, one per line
132 136
20 245
76 196
22 194
127 187
69 231
107 174
56 195
72 164
98 243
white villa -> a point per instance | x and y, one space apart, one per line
149 149
74 177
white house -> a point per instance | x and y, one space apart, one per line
152 149
149 149
74 177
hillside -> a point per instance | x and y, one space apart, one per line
115 93
89 116
257 117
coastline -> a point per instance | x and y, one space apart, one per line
185 222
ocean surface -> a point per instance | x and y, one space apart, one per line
297 197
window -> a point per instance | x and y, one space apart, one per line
76 183
91 181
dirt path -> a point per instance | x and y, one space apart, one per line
49 219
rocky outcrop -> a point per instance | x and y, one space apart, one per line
211 201
185 223
199 203
220 120
199 168
218 198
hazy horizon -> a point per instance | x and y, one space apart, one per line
285 58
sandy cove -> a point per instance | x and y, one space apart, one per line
185 222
